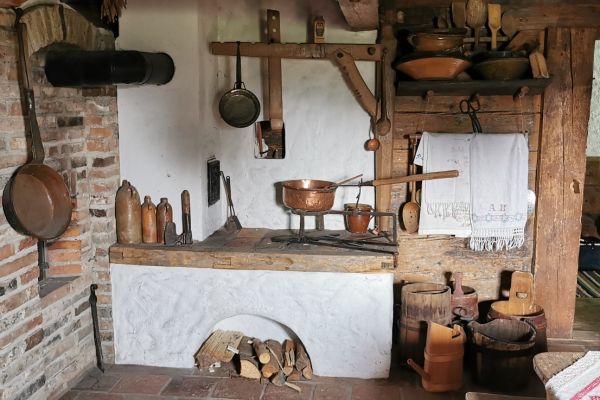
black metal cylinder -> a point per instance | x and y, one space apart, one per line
100 68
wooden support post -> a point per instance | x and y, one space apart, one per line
383 156
561 175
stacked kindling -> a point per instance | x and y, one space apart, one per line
275 361
272 361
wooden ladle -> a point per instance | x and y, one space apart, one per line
476 17
411 210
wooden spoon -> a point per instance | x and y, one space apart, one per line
383 125
476 16
412 210
494 22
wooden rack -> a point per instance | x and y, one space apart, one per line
470 88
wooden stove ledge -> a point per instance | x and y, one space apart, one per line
251 249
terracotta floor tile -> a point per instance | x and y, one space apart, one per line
98 382
189 387
141 384
376 391
99 396
69 395
238 388
332 392
273 392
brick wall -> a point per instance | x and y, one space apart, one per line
46 342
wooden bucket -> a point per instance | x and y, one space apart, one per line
521 306
503 351
464 300
444 351
421 303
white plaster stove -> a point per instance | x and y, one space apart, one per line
162 315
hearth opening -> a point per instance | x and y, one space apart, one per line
263 350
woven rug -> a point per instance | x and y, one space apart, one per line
588 284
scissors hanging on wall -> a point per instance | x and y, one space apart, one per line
470 107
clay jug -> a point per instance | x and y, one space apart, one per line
164 214
128 214
148 221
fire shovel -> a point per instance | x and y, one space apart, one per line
232 223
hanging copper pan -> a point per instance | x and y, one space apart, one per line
36 200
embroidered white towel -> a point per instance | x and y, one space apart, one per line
579 381
445 203
499 165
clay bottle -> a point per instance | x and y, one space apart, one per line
128 214
164 214
148 221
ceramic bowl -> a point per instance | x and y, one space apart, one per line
438 66
437 40
502 69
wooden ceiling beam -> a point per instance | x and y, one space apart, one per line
361 15
528 14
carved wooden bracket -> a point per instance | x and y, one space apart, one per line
361 15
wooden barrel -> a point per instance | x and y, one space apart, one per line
535 316
421 303
503 351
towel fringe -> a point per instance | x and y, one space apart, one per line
497 239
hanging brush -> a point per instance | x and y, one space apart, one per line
111 9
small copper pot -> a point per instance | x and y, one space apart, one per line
358 223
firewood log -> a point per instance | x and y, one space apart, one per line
295 375
261 351
289 356
278 379
307 372
275 364
248 362
302 360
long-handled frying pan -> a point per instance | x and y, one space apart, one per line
239 107
36 200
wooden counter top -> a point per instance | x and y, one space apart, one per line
252 249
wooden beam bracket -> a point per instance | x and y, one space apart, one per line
308 51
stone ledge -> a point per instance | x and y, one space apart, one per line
54 289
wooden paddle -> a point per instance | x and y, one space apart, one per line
459 17
494 22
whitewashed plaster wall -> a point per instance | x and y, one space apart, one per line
593 141
167 133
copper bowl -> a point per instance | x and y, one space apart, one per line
309 194
436 66
437 39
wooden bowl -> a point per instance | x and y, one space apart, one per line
440 66
502 69
437 40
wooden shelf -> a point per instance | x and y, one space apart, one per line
469 88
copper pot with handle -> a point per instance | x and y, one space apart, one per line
311 195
